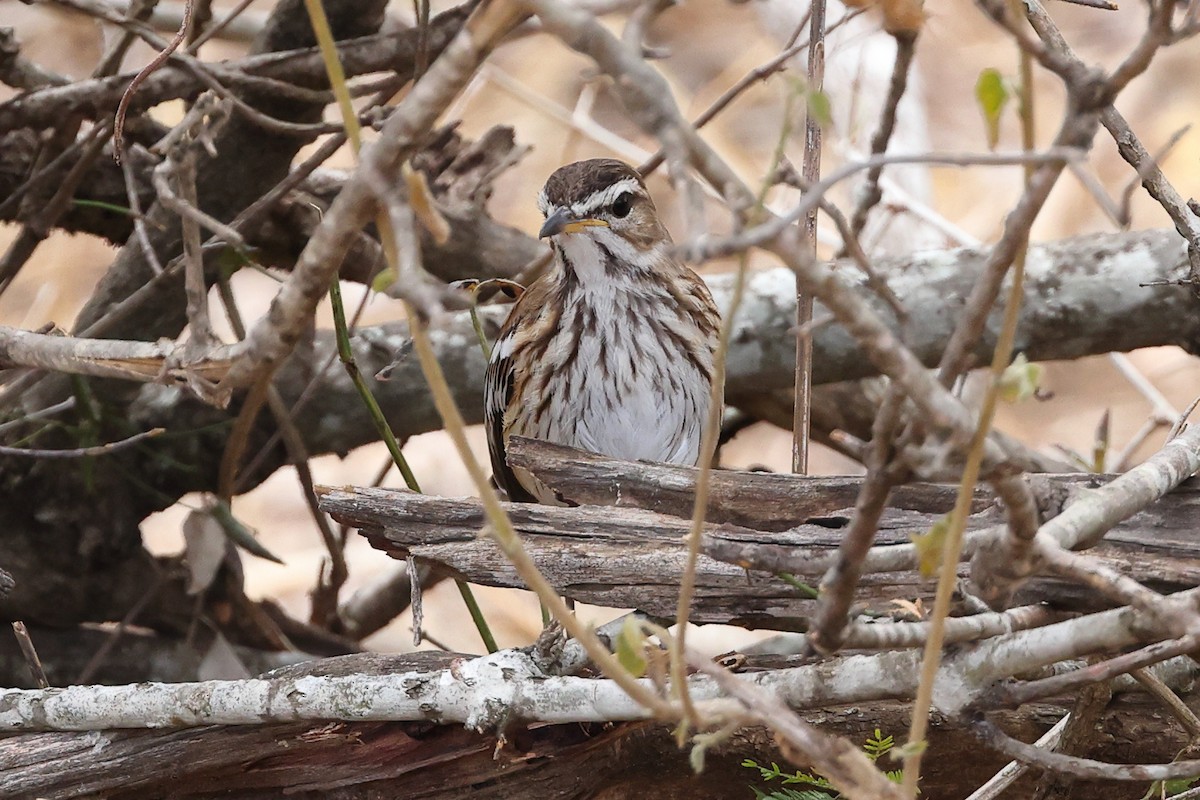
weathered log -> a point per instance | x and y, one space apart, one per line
349 761
764 501
1156 546
633 558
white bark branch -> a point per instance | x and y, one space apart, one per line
1114 292
507 687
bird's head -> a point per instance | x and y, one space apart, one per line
604 200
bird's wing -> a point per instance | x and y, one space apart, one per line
497 396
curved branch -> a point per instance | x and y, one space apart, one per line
96 98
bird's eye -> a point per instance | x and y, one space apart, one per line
622 206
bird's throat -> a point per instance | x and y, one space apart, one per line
601 257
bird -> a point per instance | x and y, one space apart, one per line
612 349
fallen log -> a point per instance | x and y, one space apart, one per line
629 553
352 760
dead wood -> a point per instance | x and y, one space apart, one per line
353 761
765 501
629 552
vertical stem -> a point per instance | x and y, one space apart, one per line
333 68
31 656
708 447
346 356
948 576
337 81
476 612
195 289
810 171
1025 109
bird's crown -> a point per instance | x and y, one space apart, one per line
585 187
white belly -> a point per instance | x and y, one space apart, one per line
634 410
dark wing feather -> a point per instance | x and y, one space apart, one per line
497 395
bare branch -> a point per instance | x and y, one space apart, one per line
271 340
996 739
847 767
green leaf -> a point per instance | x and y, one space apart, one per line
230 261
930 546
875 746
631 644
1020 380
116 209
384 280
993 95
1178 785
878 745
819 107
796 583
239 533
911 749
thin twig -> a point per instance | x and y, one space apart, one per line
388 231
760 73
83 452
1096 574
870 193
992 736
201 336
1021 537
765 233
1168 698
468 597
33 416
30 654
146 71
708 444
1015 769
221 24
416 600
846 767
810 172
1128 145
842 578
114 637
1013 695
325 595
39 224
114 55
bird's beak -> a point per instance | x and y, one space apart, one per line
561 221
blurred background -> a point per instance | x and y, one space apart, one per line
562 111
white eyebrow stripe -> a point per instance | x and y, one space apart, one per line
606 197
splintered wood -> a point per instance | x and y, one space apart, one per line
623 544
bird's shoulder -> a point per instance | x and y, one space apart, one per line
534 302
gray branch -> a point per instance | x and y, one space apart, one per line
629 557
98 97
1083 297
496 691
1094 287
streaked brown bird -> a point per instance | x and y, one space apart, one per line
611 350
